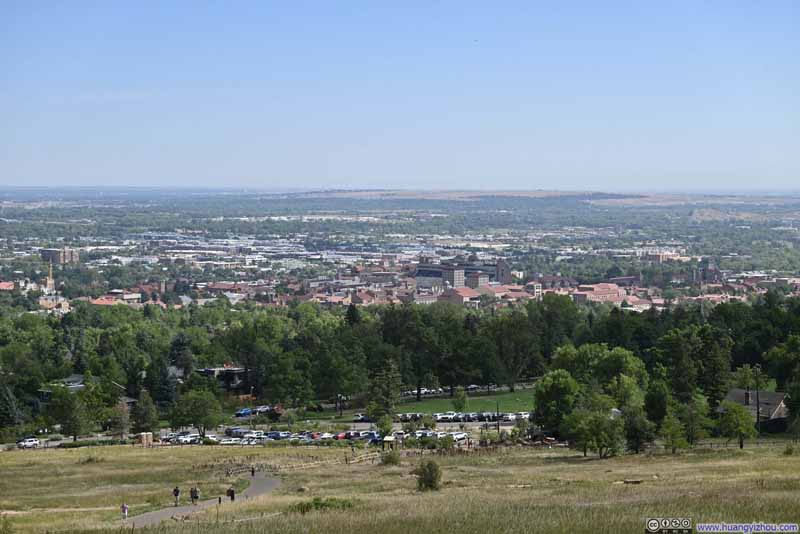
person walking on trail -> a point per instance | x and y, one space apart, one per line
177 494
252 471
232 493
124 510
193 495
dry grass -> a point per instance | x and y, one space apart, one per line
519 491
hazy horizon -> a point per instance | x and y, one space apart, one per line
628 98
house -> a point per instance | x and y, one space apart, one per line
463 296
77 382
771 405
610 293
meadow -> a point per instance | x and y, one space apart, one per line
515 490
517 401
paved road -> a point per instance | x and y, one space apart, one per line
259 485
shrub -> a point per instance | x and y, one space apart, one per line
92 443
319 504
789 450
390 458
429 475
446 442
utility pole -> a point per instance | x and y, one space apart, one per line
497 417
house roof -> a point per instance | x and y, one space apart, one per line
770 402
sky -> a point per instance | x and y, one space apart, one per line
573 95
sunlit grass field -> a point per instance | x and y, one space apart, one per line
518 401
517 490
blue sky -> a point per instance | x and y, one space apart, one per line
475 95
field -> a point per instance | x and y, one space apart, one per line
516 490
518 401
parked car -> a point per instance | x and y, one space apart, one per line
244 412
458 437
230 441
28 443
361 418
189 439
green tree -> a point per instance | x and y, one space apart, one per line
180 353
656 401
694 416
577 426
119 422
145 414
639 431
384 390
593 426
384 425
199 409
353 315
736 422
69 411
673 433
554 398
460 400
10 413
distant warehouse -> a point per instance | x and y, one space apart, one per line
60 256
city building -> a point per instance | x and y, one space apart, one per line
60 256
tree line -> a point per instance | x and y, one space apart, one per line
594 357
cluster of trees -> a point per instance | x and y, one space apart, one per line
658 362
607 400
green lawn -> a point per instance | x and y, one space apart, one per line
518 401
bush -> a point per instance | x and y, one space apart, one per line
429 475
789 450
390 458
318 504
92 443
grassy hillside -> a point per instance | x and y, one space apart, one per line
518 490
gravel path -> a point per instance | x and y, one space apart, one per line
259 485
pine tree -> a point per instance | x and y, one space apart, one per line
10 414
145 414
673 433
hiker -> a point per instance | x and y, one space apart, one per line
232 493
193 495
124 510
252 471
177 494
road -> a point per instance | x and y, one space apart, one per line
259 485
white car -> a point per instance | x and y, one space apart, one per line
189 439
230 441
326 435
523 415
28 443
459 436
